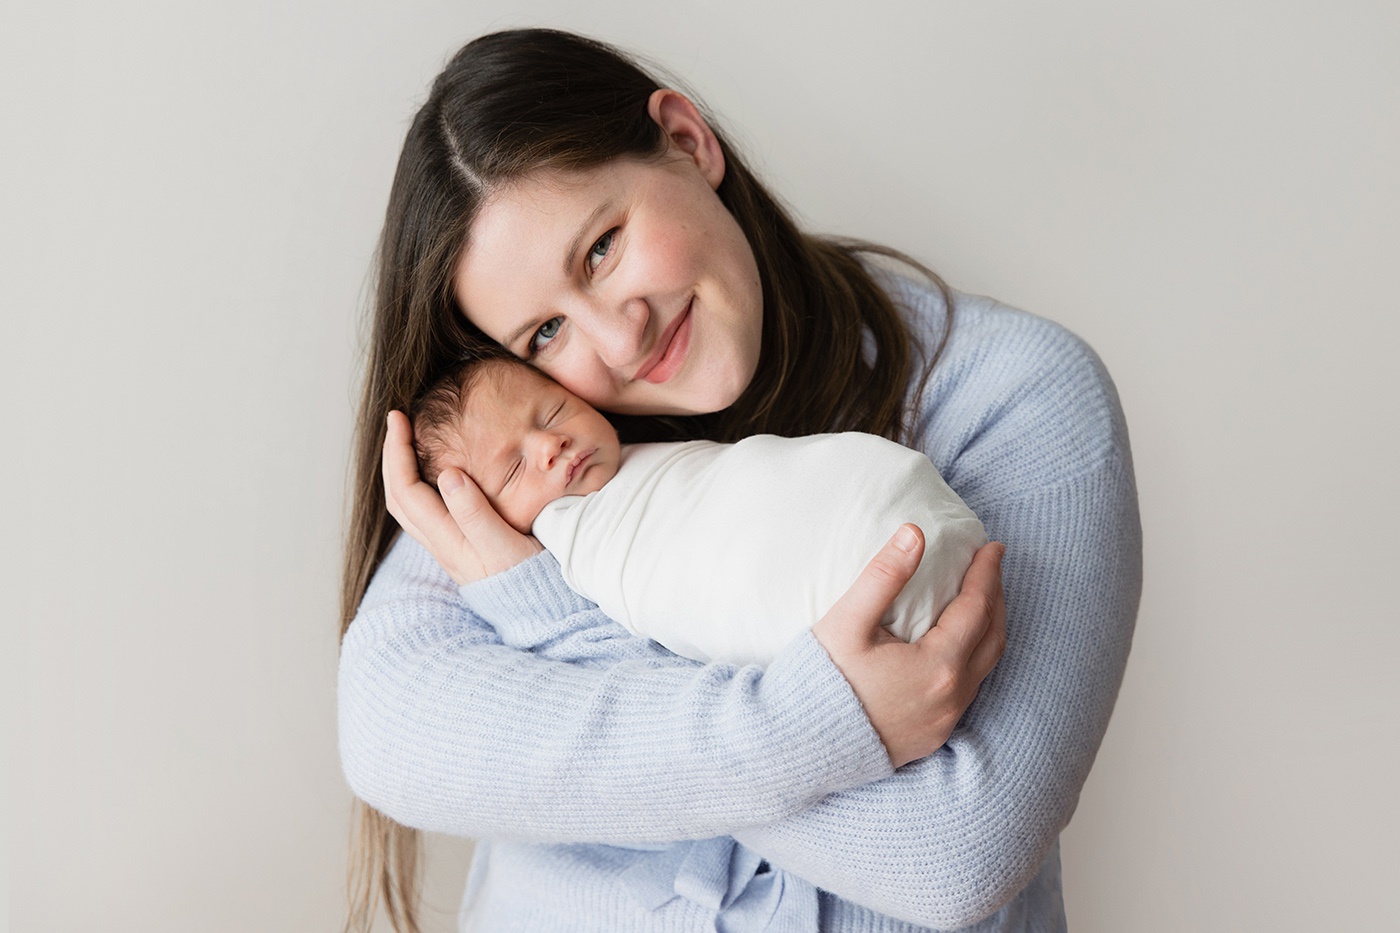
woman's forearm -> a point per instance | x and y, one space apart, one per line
445 728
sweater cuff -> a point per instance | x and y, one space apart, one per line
822 719
532 591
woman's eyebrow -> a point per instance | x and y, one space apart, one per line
520 331
583 229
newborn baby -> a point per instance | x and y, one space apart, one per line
717 551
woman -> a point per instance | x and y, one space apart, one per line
554 199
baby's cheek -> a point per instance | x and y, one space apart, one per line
524 519
511 511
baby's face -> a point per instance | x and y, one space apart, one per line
529 441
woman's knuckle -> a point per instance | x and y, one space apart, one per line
469 513
886 572
942 682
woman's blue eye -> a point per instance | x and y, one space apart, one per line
600 249
545 333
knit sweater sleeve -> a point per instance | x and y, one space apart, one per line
1035 442
553 724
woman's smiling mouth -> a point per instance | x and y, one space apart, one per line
671 350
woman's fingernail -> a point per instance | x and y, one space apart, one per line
449 482
905 539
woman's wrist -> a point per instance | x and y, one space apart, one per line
818 703
533 589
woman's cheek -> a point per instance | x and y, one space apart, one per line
591 383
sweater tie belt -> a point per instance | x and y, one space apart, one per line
744 892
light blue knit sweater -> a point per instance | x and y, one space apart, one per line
618 787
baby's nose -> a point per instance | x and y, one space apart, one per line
551 446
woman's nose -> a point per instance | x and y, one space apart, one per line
620 333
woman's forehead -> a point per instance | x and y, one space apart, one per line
545 197
551 199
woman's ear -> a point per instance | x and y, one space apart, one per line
688 132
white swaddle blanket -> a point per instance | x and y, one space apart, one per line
728 551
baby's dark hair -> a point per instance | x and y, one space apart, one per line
436 413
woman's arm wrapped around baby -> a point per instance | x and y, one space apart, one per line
447 726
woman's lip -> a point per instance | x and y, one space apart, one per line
671 353
576 466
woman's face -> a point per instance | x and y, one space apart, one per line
630 284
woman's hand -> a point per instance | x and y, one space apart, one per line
915 693
459 527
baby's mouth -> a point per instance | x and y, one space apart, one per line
576 465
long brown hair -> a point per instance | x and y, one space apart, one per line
516 102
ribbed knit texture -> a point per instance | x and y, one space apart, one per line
622 788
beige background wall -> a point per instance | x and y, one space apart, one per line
1207 191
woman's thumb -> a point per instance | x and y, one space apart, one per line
465 501
862 608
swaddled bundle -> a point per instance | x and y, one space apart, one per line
726 552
